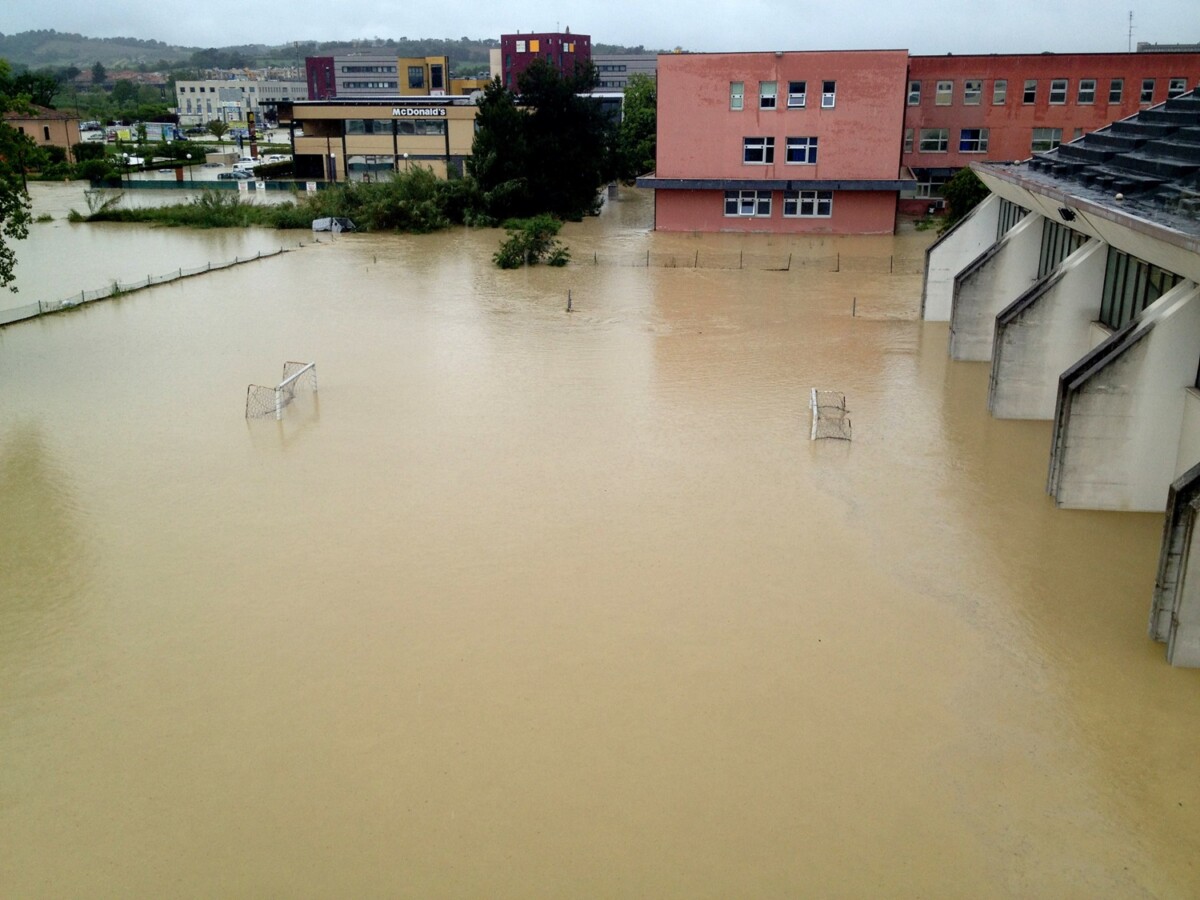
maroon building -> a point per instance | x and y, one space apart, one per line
562 50
321 76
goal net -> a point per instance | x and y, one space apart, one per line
270 401
830 418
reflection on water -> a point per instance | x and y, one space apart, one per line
547 603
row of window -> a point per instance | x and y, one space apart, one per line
760 151
370 84
192 90
395 126
536 44
796 204
363 70
768 94
975 140
1085 93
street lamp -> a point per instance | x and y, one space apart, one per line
405 163
189 165
333 167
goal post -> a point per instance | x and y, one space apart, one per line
265 401
830 418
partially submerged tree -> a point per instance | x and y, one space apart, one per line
637 135
962 193
532 241
15 148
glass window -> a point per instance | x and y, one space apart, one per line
767 94
1175 87
759 151
797 94
972 91
737 94
944 94
416 77
908 140
1116 88
1147 95
1087 91
914 93
1030 93
934 140
999 92
828 94
802 150
748 203
808 204
1045 139
973 140
1058 91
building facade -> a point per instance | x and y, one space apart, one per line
613 71
228 100
964 109
377 76
361 140
47 127
800 142
562 50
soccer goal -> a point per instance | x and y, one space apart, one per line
830 418
267 401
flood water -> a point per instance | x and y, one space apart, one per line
529 603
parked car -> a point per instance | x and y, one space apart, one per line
239 175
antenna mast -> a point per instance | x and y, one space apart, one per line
1130 45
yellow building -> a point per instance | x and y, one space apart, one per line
47 127
358 140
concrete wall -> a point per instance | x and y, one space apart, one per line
1120 416
952 253
1041 334
1175 612
854 212
990 284
1189 433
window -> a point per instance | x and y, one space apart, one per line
973 140
1087 91
737 94
416 77
914 93
828 94
1058 91
1116 88
46 134
944 94
748 203
972 91
802 150
1130 285
1030 94
908 140
934 140
808 204
1045 139
1147 90
797 94
758 151
436 81
535 46
766 94
999 91
520 46
1175 87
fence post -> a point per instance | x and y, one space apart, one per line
789 268
647 259
741 253
891 263
838 265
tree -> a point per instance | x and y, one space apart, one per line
217 128
99 74
14 199
637 135
123 93
963 192
499 156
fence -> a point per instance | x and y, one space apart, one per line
781 262
120 288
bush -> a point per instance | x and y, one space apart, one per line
532 241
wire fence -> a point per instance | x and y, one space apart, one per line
121 288
780 262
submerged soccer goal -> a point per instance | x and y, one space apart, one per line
269 401
830 418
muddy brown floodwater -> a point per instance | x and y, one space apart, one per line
528 603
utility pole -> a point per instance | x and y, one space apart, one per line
1129 46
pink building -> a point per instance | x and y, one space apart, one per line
562 50
800 142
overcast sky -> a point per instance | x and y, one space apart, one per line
921 26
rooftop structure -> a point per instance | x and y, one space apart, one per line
562 50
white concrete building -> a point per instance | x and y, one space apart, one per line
200 102
1078 282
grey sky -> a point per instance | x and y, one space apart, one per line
921 26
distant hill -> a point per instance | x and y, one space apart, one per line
56 50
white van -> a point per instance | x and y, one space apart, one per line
244 166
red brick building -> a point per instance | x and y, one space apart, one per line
562 50
801 142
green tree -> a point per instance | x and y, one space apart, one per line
637 136
99 74
217 128
15 148
962 193
123 93
499 156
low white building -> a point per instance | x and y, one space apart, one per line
201 102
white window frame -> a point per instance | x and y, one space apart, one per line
768 94
748 204
943 94
938 137
1086 94
1147 94
737 94
828 94
1058 91
1176 87
999 92
1029 92
520 47
1116 90
805 147
914 93
978 143
972 91
797 98
807 204
1048 140
758 146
